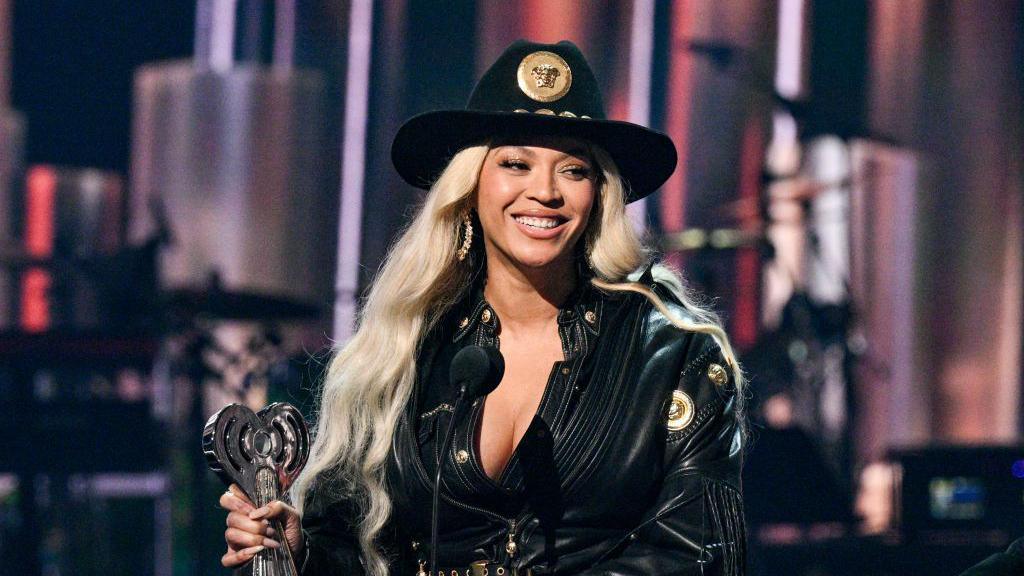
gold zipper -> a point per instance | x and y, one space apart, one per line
511 547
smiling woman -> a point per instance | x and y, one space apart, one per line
534 203
612 443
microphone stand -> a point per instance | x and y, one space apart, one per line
476 371
445 445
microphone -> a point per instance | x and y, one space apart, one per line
475 371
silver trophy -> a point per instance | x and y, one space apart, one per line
262 453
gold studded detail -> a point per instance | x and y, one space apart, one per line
464 322
485 316
680 411
544 76
462 457
550 112
718 375
590 316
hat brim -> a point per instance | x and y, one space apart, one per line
426 143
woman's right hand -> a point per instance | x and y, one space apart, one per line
249 528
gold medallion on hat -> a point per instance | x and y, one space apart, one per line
544 76
680 411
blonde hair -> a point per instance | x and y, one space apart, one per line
365 392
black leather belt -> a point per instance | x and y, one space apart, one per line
480 568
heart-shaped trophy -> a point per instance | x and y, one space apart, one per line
262 453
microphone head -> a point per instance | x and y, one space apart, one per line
476 370
497 371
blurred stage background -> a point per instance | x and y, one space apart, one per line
193 195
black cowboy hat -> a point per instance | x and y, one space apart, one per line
534 90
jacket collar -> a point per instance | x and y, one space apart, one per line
579 319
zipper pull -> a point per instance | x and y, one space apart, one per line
511 547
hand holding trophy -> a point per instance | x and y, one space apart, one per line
261 454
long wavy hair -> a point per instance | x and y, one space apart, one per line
364 391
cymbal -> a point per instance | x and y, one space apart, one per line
238 305
714 239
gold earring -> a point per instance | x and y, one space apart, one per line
467 237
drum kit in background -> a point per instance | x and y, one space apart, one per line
221 248
71 280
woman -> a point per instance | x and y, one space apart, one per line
611 445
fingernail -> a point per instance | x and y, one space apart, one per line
253 550
271 543
271 532
258 513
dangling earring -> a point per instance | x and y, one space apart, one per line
467 237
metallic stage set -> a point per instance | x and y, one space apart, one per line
849 193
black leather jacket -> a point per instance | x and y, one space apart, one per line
632 465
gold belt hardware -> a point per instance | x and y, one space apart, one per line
481 568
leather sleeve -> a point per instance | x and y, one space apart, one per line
1001 564
696 524
331 544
